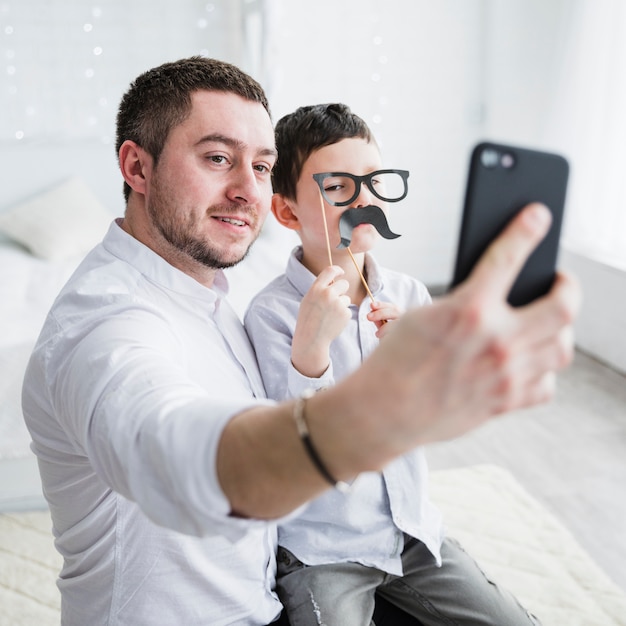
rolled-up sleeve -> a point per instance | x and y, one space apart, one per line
148 414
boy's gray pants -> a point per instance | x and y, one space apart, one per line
342 594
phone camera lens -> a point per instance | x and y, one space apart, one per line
507 161
489 158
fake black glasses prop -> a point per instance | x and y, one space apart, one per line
341 188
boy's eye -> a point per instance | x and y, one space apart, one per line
336 183
339 189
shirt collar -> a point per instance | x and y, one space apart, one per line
156 269
302 279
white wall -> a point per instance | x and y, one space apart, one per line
411 69
525 44
30 169
431 78
601 327
64 66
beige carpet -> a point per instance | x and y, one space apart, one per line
514 539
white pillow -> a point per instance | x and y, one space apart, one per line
64 222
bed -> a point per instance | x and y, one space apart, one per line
27 288
513 538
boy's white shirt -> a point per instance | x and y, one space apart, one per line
367 525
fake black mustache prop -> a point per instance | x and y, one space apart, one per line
371 214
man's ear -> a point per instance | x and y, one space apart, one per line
281 208
134 162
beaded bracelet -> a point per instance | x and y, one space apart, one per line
305 436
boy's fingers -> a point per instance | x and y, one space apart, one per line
503 260
329 274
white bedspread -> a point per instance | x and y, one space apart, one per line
513 538
525 548
28 286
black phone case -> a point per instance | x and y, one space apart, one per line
495 192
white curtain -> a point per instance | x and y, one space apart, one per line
589 123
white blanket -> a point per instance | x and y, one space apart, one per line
525 548
28 286
510 534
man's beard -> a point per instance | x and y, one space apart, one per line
198 249
208 256
178 232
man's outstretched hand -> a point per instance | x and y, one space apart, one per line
447 368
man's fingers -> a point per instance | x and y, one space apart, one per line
503 260
550 313
547 326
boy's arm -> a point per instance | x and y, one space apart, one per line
278 314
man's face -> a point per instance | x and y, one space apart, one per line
209 194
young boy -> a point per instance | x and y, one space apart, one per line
314 325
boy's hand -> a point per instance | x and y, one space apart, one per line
323 314
381 313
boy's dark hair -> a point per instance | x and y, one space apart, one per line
307 129
160 99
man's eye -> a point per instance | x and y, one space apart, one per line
217 158
331 188
264 169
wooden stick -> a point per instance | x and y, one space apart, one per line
330 256
358 269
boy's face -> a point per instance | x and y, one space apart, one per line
355 156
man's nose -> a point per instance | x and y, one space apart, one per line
244 186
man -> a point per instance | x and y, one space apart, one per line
164 467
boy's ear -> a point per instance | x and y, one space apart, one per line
281 208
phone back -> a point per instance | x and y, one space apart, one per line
501 181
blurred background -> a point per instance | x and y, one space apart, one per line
430 78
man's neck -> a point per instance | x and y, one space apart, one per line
196 270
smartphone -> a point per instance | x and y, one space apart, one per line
501 181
